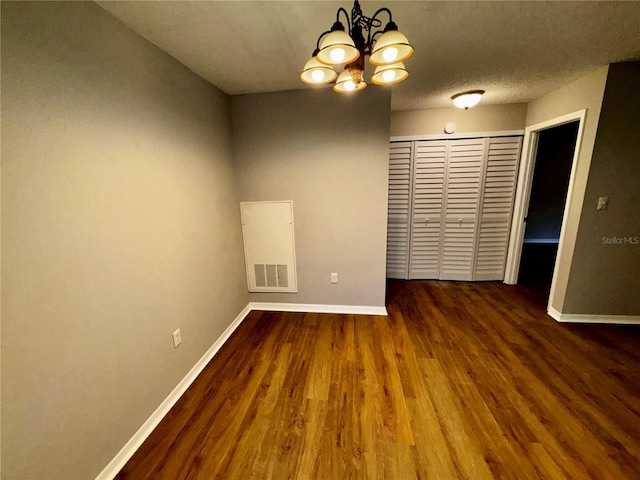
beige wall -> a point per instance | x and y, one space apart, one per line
329 154
487 118
605 277
585 93
119 224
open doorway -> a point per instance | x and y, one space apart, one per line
543 220
521 204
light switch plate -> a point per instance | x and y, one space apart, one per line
177 338
602 203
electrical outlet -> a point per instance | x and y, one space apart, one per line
334 278
177 338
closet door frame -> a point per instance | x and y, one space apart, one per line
457 136
472 135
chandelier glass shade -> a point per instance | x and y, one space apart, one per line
346 83
316 73
392 46
340 47
337 48
389 74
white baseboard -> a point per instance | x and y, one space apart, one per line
580 318
553 313
313 308
123 456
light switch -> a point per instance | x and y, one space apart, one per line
177 338
602 203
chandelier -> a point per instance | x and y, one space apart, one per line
338 47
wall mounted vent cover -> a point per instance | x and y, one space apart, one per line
271 275
269 246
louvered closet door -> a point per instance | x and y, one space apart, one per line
458 238
398 213
496 207
428 189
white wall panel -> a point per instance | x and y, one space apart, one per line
269 246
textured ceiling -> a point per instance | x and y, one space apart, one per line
516 51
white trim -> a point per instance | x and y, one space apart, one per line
553 313
580 318
313 308
523 193
567 206
456 136
123 456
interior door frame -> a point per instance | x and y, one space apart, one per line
523 194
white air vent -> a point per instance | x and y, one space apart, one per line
267 229
271 275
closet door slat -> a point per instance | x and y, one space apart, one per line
458 240
426 220
399 208
497 206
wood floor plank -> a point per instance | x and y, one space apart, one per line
467 452
461 381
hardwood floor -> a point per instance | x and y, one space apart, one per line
461 381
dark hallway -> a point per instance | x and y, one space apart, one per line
546 205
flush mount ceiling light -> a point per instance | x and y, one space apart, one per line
337 47
468 99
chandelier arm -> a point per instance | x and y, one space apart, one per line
378 23
318 42
373 37
346 16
